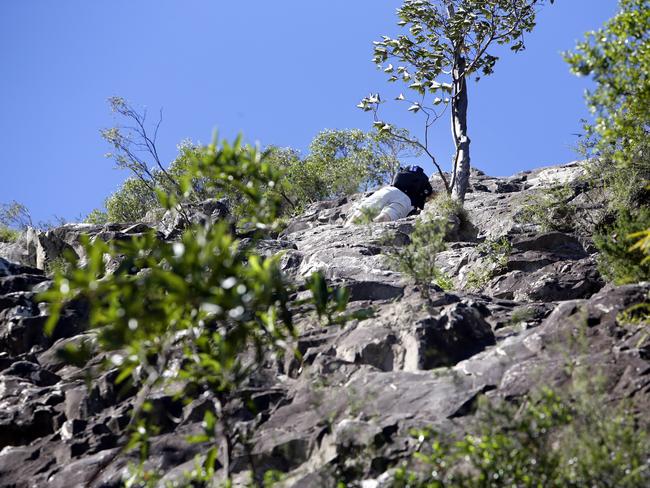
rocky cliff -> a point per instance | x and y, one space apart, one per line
346 410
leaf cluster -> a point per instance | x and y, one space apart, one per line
330 303
617 57
437 30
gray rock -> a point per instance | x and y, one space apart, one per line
207 212
343 409
563 280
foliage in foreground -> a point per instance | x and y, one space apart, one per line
550 440
181 313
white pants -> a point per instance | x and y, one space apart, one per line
391 203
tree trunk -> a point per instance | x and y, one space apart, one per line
460 176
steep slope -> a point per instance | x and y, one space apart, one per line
345 411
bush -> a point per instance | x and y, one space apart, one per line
351 160
551 210
619 260
443 206
130 202
97 216
15 215
494 258
417 259
340 162
8 235
553 439
616 57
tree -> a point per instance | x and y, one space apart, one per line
617 57
393 146
447 41
351 159
134 144
15 215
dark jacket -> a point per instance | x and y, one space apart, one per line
415 184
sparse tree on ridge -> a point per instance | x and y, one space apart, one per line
446 42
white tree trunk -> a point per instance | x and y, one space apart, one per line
460 175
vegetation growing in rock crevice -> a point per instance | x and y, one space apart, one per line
417 258
494 258
8 235
551 209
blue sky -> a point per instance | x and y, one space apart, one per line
278 72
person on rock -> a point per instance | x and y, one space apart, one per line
408 192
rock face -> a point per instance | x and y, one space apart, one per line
344 411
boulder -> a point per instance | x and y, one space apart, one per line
207 212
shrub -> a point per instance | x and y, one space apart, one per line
619 259
351 160
340 162
521 315
302 182
97 216
553 439
417 259
551 210
130 202
494 258
8 235
616 57
15 215
443 206
635 315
